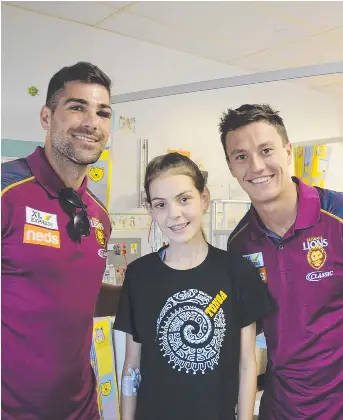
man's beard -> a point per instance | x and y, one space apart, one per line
65 149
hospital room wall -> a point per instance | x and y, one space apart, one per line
187 121
334 179
190 122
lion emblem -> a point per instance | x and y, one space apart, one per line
316 257
100 236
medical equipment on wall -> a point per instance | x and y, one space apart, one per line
144 159
133 235
156 238
117 261
143 226
120 252
224 217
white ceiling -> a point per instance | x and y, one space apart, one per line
255 36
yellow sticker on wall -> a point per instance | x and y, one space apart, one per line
133 248
102 341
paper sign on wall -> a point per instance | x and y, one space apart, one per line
181 152
133 248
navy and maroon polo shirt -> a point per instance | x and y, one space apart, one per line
304 332
49 287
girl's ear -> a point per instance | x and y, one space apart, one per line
206 199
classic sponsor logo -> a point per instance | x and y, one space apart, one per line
257 260
41 236
40 218
318 275
102 253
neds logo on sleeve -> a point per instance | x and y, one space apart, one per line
40 218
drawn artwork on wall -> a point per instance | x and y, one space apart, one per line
128 125
99 177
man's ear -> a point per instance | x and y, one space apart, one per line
289 150
45 117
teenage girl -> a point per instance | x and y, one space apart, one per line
188 312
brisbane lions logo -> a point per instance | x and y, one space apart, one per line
316 257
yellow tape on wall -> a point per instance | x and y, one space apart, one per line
102 342
299 161
103 362
311 164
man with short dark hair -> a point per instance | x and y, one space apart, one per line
54 234
293 233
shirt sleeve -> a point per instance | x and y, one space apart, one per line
253 295
6 210
125 316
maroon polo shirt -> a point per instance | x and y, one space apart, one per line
49 291
304 333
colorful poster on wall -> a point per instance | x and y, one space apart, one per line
311 163
103 363
128 125
99 177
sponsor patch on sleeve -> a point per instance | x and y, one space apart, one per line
40 218
257 260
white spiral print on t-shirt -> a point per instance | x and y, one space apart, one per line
190 338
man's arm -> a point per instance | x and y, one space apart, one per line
247 373
130 379
108 300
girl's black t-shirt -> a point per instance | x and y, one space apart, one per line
189 324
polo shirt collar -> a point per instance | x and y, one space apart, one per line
308 211
45 174
308 207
